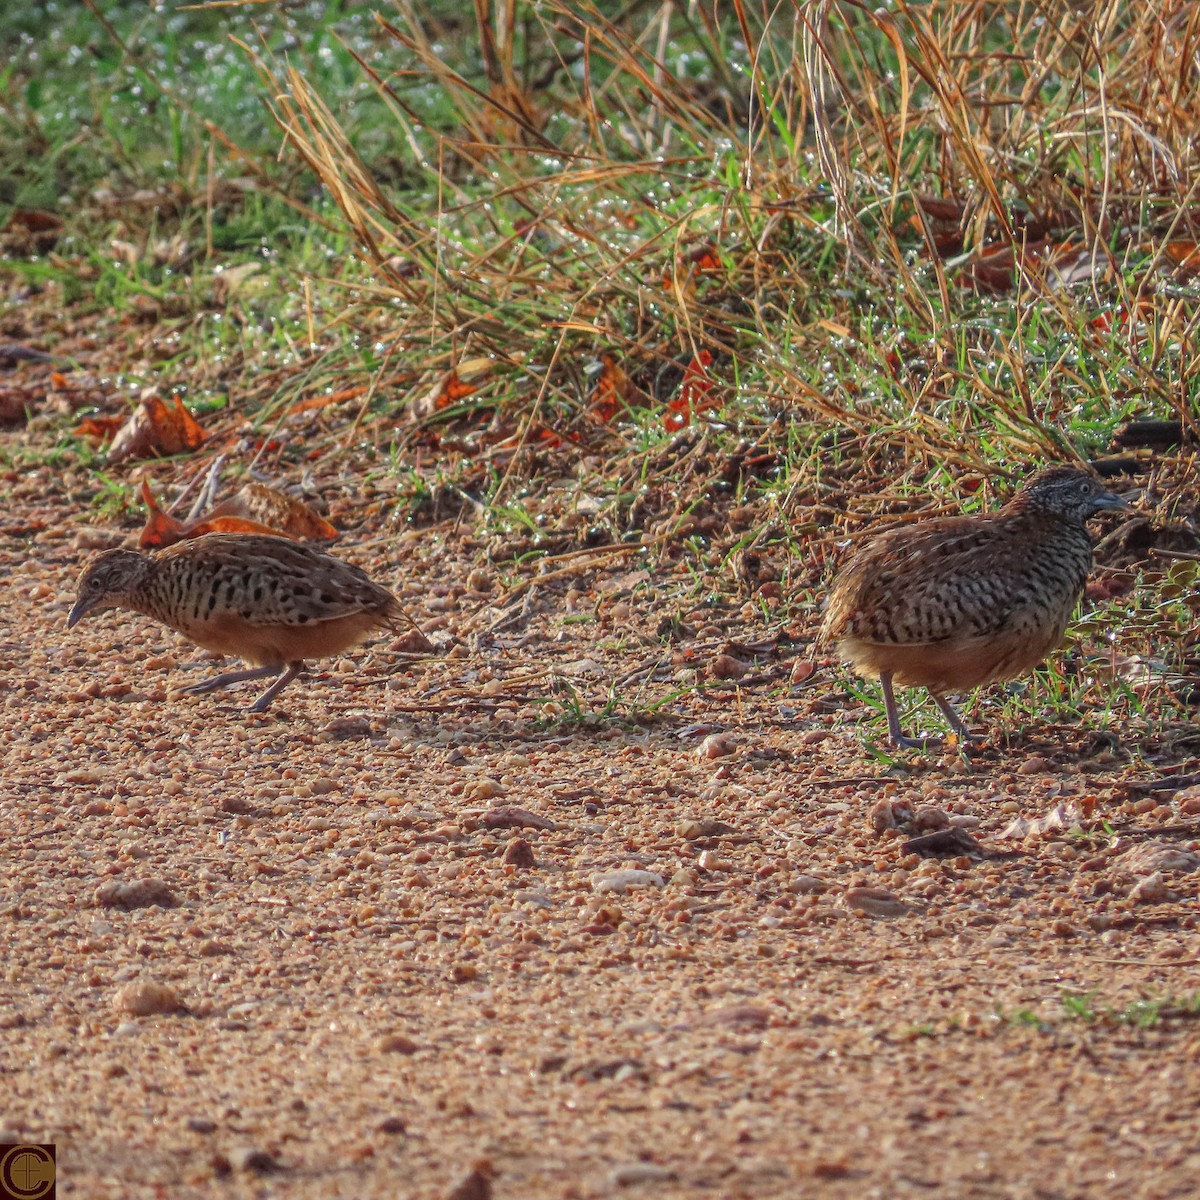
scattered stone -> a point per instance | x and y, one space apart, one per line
251 1159
238 805
476 1184
1035 765
807 885
621 881
635 1173
412 642
137 893
717 745
890 814
519 853
391 1125
929 818
751 1016
725 666
1158 856
396 1043
200 1125
875 902
509 817
802 670
1152 890
944 842
146 999
1189 801
344 729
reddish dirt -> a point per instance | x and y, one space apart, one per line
387 925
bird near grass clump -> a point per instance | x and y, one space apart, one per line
268 600
951 603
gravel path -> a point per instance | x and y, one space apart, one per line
419 930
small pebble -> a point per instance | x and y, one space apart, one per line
516 818
137 893
875 902
1152 890
1037 765
725 666
621 881
396 1043
250 1158
717 745
519 853
343 729
145 999
632 1174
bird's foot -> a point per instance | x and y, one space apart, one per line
917 743
228 679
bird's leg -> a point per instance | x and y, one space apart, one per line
893 718
229 678
264 701
956 722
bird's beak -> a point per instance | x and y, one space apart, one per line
1110 500
78 612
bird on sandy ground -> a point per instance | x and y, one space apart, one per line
268 600
951 603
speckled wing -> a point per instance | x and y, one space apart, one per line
271 581
959 578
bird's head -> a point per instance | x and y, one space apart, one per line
1069 492
107 582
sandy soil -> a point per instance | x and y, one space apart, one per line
419 922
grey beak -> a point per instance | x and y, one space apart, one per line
78 612
1110 500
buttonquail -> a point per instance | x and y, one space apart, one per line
954 602
268 600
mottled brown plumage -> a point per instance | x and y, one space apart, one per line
268 600
955 602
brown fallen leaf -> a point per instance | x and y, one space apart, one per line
98 428
1061 816
277 510
257 508
156 427
162 529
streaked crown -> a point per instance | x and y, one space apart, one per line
107 581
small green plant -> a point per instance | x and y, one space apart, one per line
1080 1006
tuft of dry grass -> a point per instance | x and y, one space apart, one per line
958 234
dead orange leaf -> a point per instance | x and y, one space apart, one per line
452 387
697 392
256 508
1185 255
156 427
315 402
98 428
282 513
611 390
